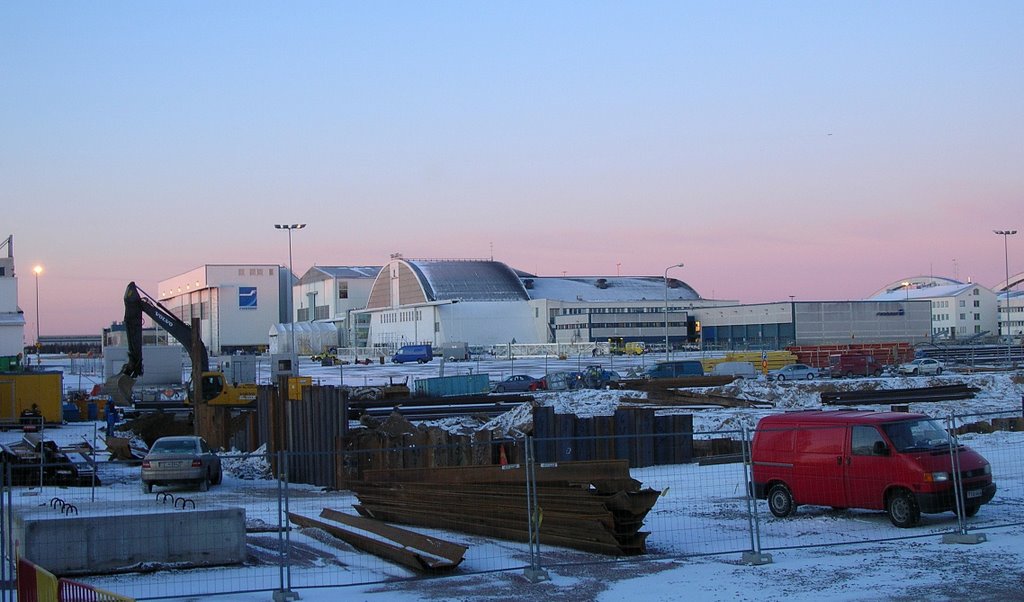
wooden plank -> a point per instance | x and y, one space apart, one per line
407 548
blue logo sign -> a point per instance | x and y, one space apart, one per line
247 297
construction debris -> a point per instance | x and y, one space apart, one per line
591 506
414 550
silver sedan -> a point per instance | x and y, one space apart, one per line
183 459
793 372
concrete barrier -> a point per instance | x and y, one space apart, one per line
122 536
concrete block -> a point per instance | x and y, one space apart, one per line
115 536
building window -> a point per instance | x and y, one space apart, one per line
977 317
342 290
977 303
241 271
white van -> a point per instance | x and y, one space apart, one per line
736 369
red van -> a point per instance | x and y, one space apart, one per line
853 364
892 461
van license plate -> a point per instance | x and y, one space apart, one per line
178 463
974 493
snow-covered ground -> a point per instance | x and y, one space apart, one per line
699 527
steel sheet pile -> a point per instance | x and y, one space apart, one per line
592 506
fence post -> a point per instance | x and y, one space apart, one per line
534 572
284 592
961 536
754 556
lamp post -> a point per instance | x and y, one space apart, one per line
291 277
906 307
678 265
39 270
1006 293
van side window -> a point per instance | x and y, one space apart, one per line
864 438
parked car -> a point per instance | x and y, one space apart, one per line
793 372
520 383
420 354
898 462
181 459
675 369
563 381
734 369
920 366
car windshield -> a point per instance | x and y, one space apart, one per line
174 447
916 435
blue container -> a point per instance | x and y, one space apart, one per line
452 386
71 413
93 410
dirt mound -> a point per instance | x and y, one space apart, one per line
150 427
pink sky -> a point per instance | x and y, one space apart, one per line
776 150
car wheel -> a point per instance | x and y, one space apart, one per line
913 372
810 376
902 509
147 487
204 484
938 371
218 478
780 501
971 509
780 377
849 374
876 373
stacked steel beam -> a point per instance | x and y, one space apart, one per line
592 506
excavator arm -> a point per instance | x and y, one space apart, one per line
136 303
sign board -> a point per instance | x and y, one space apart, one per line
295 384
247 297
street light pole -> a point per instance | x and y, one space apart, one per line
1006 293
39 270
678 265
291 285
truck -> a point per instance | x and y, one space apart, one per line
215 389
454 351
853 364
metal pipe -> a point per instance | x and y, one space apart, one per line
678 265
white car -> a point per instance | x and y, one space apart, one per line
920 366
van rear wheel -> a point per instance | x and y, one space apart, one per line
902 509
780 500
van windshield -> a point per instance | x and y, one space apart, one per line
916 435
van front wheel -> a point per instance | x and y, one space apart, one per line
902 509
780 500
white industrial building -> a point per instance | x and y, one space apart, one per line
1011 307
12 320
235 303
335 293
959 310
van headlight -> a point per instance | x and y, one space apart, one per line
987 469
936 477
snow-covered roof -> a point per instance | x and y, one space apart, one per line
926 292
345 271
467 280
618 288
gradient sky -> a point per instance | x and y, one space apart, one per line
815 149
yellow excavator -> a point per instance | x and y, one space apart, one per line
216 391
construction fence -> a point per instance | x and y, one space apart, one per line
498 505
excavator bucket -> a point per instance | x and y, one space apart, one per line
119 387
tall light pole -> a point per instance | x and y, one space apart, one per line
291 277
39 270
906 308
678 265
1006 294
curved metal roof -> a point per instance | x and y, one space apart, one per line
467 280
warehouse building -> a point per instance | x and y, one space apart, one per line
236 304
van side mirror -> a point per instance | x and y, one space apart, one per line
880 449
